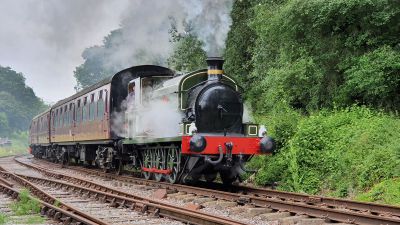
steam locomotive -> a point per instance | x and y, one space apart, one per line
121 122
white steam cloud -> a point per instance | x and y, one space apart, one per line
154 118
211 21
144 37
247 113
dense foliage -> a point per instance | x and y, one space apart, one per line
314 54
18 103
240 41
340 152
303 64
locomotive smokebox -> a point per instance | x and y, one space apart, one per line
215 70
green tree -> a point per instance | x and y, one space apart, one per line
311 54
4 128
96 66
240 41
188 54
18 103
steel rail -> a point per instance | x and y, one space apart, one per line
261 197
316 206
4 181
35 190
51 211
120 198
116 199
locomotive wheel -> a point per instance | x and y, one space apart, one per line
226 178
173 163
159 163
210 177
147 163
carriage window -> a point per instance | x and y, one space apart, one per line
65 117
71 113
100 106
60 116
56 119
84 110
78 114
53 117
92 109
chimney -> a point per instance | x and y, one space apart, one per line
215 70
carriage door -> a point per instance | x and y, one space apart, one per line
132 106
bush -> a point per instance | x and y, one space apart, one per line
281 125
314 53
26 204
3 219
343 152
386 192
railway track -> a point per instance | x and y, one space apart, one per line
47 189
65 215
338 210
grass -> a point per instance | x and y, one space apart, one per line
3 218
26 205
34 219
19 145
385 192
57 203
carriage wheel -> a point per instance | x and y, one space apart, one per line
159 163
119 166
173 163
64 158
147 163
106 168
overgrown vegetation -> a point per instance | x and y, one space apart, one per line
3 218
26 207
19 144
325 77
26 204
384 192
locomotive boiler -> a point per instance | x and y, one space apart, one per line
168 126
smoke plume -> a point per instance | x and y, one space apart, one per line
211 22
154 118
143 37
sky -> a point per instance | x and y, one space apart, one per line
44 39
